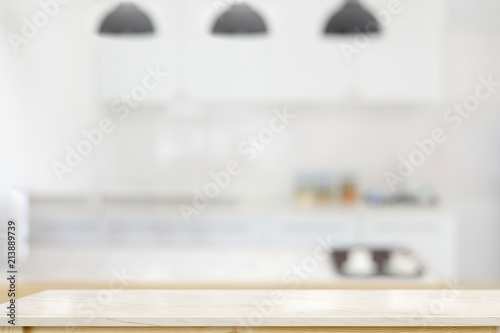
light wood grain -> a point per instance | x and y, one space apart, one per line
273 329
26 289
11 329
260 308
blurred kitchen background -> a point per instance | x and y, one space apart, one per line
309 206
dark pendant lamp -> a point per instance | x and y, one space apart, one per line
352 18
239 19
126 19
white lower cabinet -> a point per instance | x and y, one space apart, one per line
430 238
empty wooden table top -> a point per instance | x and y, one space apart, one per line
259 308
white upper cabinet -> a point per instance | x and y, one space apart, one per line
405 63
306 66
296 62
124 62
226 67
293 62
288 63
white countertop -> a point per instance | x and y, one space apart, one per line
255 210
260 308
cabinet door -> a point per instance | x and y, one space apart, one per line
307 66
123 67
432 239
311 231
225 68
223 230
404 63
123 62
291 63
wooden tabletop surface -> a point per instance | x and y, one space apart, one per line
259 308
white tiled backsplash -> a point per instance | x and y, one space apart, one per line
159 152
